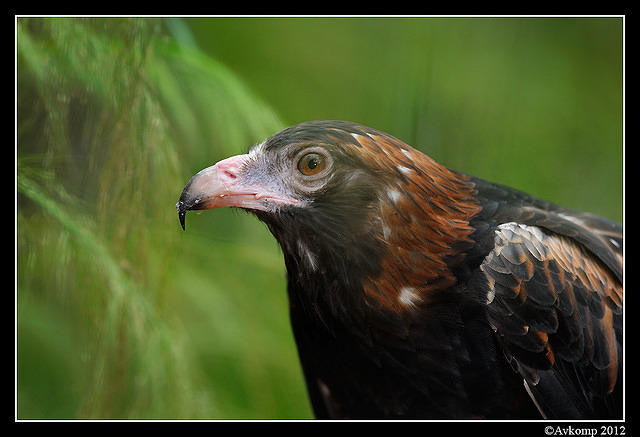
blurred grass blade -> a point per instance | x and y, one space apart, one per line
119 314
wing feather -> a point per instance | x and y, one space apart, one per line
556 308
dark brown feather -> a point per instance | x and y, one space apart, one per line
551 298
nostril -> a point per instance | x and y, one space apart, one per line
229 170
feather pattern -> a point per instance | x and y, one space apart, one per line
417 291
550 299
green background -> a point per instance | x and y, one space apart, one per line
121 314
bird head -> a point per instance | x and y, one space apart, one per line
346 201
309 166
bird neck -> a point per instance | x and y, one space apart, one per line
391 259
424 224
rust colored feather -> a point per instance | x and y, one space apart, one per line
607 323
585 293
425 221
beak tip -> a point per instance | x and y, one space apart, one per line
182 213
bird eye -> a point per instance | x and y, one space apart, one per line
311 164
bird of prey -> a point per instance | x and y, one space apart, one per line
419 292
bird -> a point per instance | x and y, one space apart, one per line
420 292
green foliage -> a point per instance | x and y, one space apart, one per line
123 315
120 314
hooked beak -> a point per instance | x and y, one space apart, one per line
224 184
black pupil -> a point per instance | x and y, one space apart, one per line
312 163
